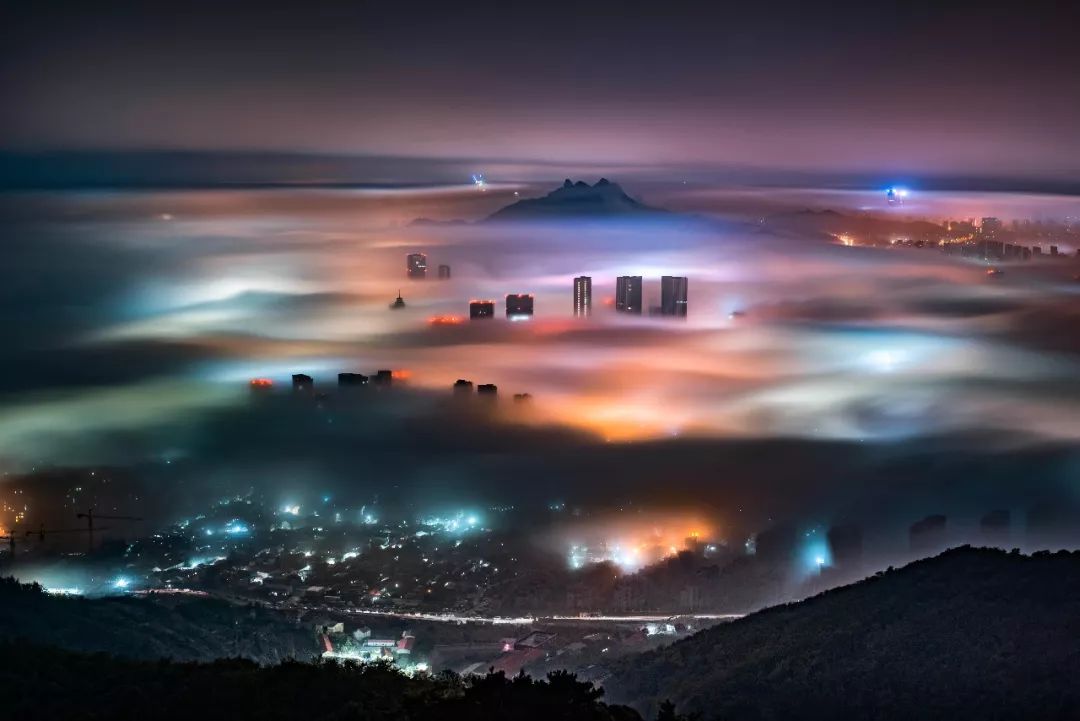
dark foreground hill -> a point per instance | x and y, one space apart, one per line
577 200
42 683
185 629
970 634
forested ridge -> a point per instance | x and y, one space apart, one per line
972 633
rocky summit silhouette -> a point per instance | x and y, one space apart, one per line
575 200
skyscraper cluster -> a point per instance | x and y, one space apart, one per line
674 291
629 298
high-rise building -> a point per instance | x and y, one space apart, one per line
383 377
628 294
673 293
481 309
519 306
488 390
582 296
303 384
416 266
444 272
462 387
991 227
351 380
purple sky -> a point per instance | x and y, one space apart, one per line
874 87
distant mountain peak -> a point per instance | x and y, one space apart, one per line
605 199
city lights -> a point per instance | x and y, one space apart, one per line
771 309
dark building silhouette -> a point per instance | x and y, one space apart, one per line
398 303
488 390
303 384
519 306
673 295
582 296
776 544
481 309
995 526
628 294
522 397
928 535
416 266
351 380
444 272
846 545
383 378
462 387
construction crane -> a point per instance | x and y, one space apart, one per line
42 532
90 516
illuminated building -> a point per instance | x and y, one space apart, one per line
694 544
481 309
628 294
261 386
488 390
519 306
462 387
990 227
303 384
416 266
351 380
444 272
673 292
444 320
582 296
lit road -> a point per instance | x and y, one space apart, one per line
527 620
449 617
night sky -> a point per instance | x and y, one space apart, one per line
921 89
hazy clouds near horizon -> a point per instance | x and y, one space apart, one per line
142 316
145 309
